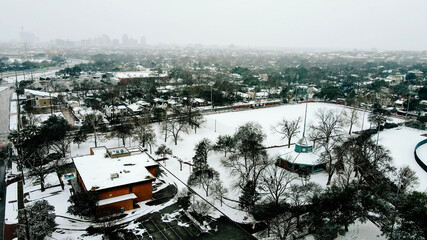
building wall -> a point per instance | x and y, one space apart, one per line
114 208
81 182
152 170
44 102
143 191
109 193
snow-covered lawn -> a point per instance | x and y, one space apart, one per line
401 142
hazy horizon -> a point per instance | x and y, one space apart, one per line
317 24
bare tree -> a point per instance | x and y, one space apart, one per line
276 181
283 226
37 165
406 178
299 196
204 178
288 129
201 207
351 118
144 133
175 125
328 131
328 124
368 160
219 191
93 121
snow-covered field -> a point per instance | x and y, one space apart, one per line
228 123
401 142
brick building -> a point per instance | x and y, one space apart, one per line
120 176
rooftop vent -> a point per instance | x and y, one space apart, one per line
114 175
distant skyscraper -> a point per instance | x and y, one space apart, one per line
125 40
27 37
143 41
116 43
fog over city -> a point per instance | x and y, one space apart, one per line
311 24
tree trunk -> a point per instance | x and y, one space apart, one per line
96 145
42 183
123 141
330 174
289 142
22 172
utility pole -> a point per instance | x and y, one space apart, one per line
407 108
212 98
51 103
17 98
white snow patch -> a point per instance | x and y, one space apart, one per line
11 211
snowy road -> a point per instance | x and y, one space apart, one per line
4 131
4 114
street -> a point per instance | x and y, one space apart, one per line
4 131
71 63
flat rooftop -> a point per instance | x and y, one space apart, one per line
99 171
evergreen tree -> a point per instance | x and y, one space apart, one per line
200 159
83 204
225 143
162 150
38 221
249 196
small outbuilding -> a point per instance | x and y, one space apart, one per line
301 159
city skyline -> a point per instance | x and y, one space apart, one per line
385 25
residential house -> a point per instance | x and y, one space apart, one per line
120 176
39 98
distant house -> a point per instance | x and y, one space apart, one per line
132 76
399 103
120 176
396 78
39 98
138 107
112 111
417 73
80 114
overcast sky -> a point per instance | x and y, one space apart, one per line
325 24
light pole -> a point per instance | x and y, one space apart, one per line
212 98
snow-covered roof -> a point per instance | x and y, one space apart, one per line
40 93
116 199
308 159
95 170
399 102
134 107
140 74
